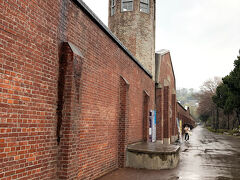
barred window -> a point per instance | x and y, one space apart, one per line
127 5
113 7
144 6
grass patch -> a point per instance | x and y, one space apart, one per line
222 131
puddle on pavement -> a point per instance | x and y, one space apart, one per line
185 150
219 151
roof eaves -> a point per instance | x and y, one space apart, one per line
181 106
163 52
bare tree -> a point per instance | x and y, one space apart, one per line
206 107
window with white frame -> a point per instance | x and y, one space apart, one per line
113 7
127 5
144 6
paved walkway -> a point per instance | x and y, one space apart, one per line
206 156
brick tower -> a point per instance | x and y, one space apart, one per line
133 22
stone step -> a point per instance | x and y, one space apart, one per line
147 155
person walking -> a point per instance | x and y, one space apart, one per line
187 131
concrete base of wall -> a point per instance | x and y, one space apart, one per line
152 156
166 141
174 138
159 141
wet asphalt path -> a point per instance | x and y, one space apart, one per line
206 156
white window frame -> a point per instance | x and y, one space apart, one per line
113 7
126 2
144 6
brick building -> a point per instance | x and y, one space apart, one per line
72 96
184 116
165 98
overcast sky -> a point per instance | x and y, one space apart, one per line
203 36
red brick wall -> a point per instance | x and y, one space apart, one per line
28 89
31 39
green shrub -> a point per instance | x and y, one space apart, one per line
221 131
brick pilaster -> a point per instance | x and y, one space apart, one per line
174 123
145 116
166 118
68 113
123 122
159 113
